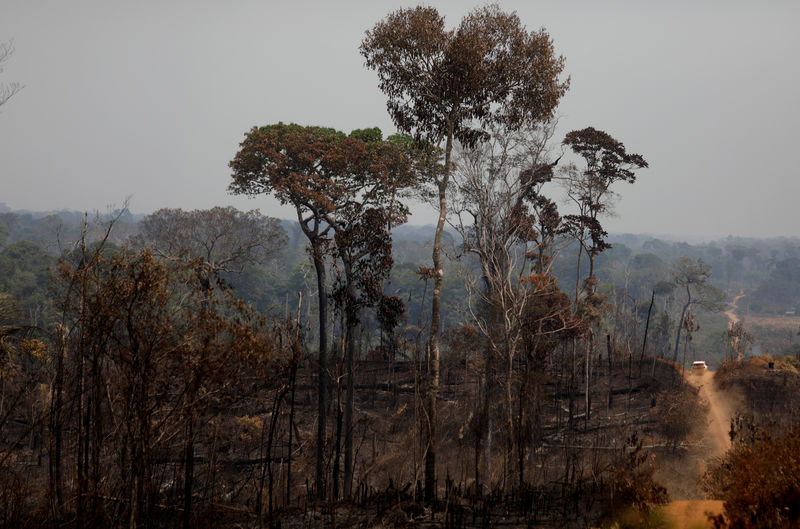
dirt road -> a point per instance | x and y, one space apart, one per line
716 438
694 513
732 317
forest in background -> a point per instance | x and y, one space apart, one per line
766 271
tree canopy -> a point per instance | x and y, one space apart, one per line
224 237
442 82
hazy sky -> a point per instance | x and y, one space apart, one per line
151 99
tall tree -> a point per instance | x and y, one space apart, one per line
364 246
333 180
293 163
498 204
606 162
445 86
694 277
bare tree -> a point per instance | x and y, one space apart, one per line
498 203
8 90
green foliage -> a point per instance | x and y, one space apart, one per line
367 135
779 292
282 129
709 342
663 288
694 277
25 274
415 291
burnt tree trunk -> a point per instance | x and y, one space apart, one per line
322 372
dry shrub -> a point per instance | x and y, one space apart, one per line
772 395
732 372
633 488
678 413
759 479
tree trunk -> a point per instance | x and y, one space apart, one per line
587 396
488 385
293 387
350 346
81 481
97 437
509 408
338 443
276 409
133 518
572 382
610 375
646 329
322 370
188 474
82 461
56 405
433 341
521 418
680 324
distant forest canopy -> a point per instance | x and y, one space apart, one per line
766 271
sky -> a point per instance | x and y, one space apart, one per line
150 99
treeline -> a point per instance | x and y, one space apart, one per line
634 267
765 269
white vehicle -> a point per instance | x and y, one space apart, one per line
699 365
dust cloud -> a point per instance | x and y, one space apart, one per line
720 407
692 514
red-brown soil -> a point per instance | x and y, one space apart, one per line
692 514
